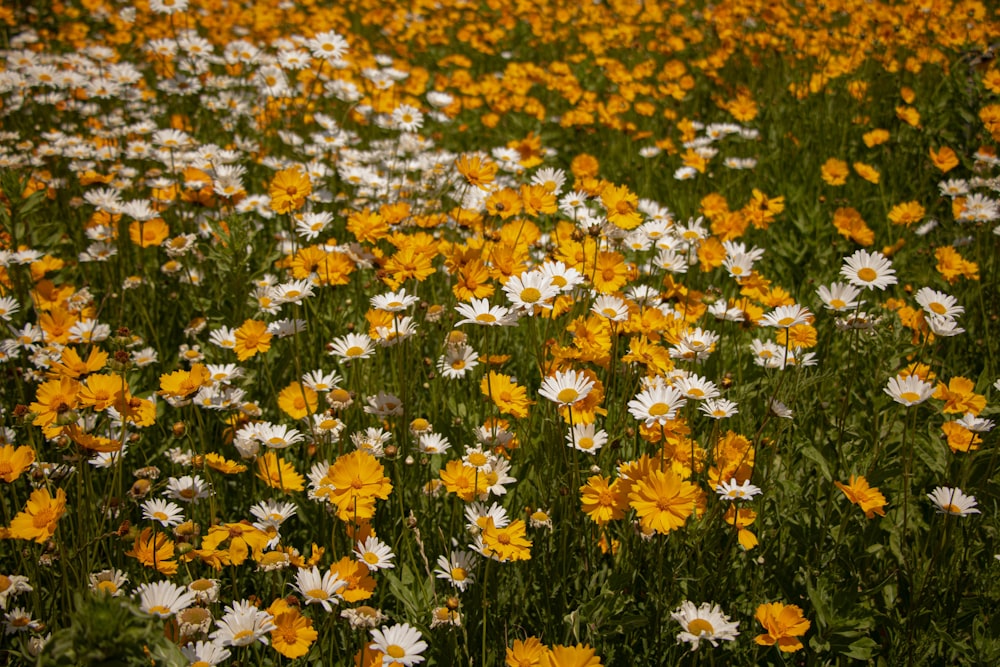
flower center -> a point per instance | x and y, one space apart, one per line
938 308
699 626
503 538
837 303
659 409
585 443
371 558
567 395
486 318
319 593
530 295
910 396
395 651
867 274
458 574
43 518
160 609
354 351
951 508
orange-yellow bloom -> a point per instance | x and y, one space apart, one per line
784 624
507 543
288 190
154 551
279 473
39 518
14 461
663 500
868 498
252 338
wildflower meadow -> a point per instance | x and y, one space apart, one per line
483 333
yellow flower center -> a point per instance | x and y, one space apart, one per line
867 274
478 459
938 308
242 634
700 625
609 313
458 574
318 593
530 295
585 443
952 509
837 303
371 558
486 318
4 582
43 518
354 351
159 609
659 409
695 392
567 395
503 538
786 321
458 364
910 396
395 651
108 587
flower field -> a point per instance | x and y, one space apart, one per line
499 333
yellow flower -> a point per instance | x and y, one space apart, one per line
571 656
252 337
360 583
288 190
243 538
527 653
298 401
959 396
507 543
509 397
960 439
54 399
39 518
279 473
293 633
353 483
14 461
834 172
601 501
784 625
906 213
150 233
908 115
850 224
183 383
621 205
867 172
944 159
663 500
154 552
869 499
476 170
465 481
875 137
